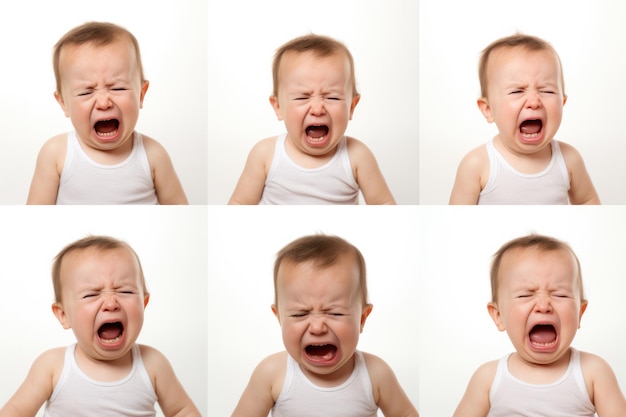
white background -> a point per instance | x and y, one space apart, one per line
173 41
171 243
382 37
590 38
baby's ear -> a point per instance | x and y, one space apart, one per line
276 107
59 312
485 108
59 99
494 312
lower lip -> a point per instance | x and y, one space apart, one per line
530 140
111 345
317 142
552 347
107 138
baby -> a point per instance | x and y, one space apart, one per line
100 86
100 293
321 304
538 299
313 163
522 90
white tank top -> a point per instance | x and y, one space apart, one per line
509 186
84 181
77 394
300 397
288 183
567 397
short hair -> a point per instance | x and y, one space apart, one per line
323 251
101 243
527 42
542 244
321 46
98 34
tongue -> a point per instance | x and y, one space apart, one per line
107 126
316 131
531 126
110 331
543 334
321 352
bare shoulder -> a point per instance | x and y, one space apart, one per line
153 147
570 153
487 372
375 364
52 359
476 160
55 148
593 365
273 367
471 176
357 150
475 401
153 359
263 150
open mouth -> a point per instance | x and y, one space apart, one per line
543 336
111 333
321 352
106 128
316 134
530 129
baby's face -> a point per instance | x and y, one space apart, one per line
525 98
321 316
101 92
315 101
538 304
102 301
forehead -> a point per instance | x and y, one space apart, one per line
532 264
94 264
343 272
294 63
507 57
73 54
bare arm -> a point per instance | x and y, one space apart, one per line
471 177
388 394
602 385
166 183
173 399
45 183
263 388
475 401
581 189
368 174
251 183
37 387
